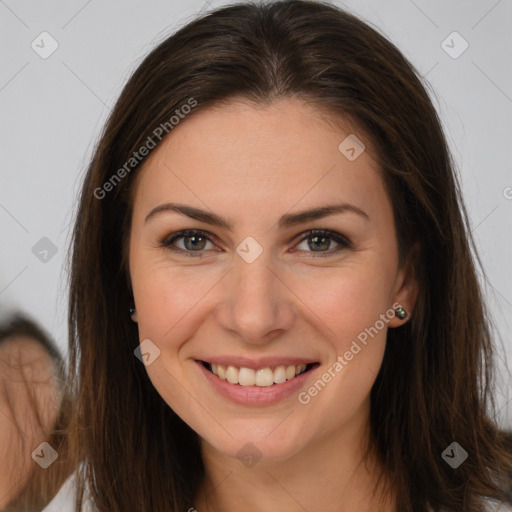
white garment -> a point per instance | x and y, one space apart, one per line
64 500
494 506
499 507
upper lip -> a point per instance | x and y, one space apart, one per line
256 364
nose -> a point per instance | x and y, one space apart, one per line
257 305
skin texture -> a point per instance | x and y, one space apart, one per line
28 408
251 165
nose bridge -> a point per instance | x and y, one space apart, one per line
257 302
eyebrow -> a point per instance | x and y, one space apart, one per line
286 221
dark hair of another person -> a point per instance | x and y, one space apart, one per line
42 483
434 386
20 326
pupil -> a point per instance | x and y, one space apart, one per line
195 243
317 238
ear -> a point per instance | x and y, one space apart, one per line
406 291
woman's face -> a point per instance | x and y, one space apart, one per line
252 289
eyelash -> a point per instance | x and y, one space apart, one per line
344 242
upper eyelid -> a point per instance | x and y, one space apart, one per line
187 232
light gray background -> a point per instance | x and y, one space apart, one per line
53 110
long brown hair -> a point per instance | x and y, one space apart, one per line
434 386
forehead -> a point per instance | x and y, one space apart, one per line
243 155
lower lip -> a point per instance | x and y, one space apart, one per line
255 395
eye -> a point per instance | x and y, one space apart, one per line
194 241
322 239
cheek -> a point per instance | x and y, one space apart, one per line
354 306
158 307
348 300
166 298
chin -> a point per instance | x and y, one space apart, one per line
255 445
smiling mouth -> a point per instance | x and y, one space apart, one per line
263 377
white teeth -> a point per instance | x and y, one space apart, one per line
280 375
221 371
232 375
246 377
263 377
